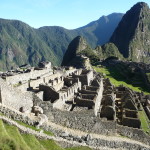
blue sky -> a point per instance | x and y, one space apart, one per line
70 14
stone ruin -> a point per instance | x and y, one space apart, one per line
51 91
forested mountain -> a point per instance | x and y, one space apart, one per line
20 43
132 36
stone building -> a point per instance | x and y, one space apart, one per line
71 89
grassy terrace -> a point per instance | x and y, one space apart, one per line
117 79
148 76
145 123
12 139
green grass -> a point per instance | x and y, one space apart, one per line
50 145
32 142
16 136
6 143
117 79
31 127
34 128
8 136
148 76
28 126
144 121
12 139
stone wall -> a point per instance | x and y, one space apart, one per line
84 102
99 98
68 93
14 98
83 120
44 79
85 77
52 76
15 115
57 83
87 122
96 126
148 111
70 139
133 133
70 72
23 87
26 76
131 122
49 93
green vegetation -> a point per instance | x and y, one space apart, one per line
50 145
148 76
145 123
128 36
32 142
5 141
34 128
109 50
12 139
91 55
116 77
11 130
21 44
28 126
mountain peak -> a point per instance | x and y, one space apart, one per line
77 45
133 33
142 4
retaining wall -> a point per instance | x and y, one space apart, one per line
14 98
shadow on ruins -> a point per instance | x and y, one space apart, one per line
75 98
130 72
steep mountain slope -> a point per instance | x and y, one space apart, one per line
133 33
101 29
20 43
79 48
76 46
108 50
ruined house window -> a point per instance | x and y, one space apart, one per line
21 109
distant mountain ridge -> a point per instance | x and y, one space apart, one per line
105 26
20 43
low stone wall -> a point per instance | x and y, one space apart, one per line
11 96
133 133
52 77
23 87
85 120
73 139
99 98
15 115
69 92
148 111
26 76
49 93
84 102
131 122
35 83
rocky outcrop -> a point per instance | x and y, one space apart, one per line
133 33
76 46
